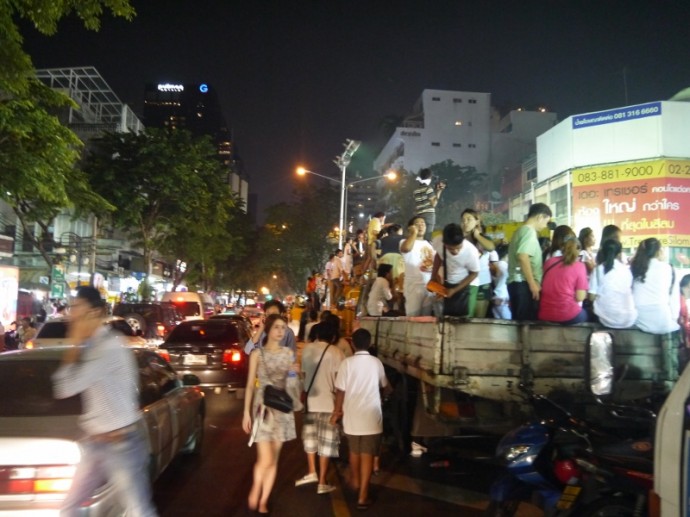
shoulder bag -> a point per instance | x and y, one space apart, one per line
276 398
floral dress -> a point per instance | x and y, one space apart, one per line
273 368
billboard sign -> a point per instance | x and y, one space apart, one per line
644 199
650 109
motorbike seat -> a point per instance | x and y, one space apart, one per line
634 454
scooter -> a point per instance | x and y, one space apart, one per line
568 467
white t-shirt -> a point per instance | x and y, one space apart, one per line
418 263
360 377
501 288
379 294
614 303
461 265
657 302
322 392
484 271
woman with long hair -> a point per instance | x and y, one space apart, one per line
610 231
655 290
472 231
269 428
587 255
610 288
564 282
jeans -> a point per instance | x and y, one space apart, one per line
523 306
125 464
430 220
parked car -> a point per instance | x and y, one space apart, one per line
211 349
54 333
154 320
235 317
39 434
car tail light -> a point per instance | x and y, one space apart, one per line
160 329
36 480
232 356
164 354
29 344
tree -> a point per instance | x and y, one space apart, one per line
37 154
462 183
168 190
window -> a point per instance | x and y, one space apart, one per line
457 101
472 145
559 200
456 144
472 101
436 144
436 98
531 174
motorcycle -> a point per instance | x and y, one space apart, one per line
568 467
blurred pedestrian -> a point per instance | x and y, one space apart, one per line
320 363
358 402
26 332
104 372
269 428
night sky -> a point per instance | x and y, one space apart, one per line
298 78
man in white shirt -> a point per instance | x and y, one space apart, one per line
320 363
460 259
358 401
337 274
381 292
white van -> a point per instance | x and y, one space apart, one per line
193 306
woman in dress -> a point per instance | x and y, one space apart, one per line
564 283
472 231
610 288
655 290
270 364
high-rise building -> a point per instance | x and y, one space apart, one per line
196 108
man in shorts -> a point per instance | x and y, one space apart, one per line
358 400
320 363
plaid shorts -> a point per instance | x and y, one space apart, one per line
319 436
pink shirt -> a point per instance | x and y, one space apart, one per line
557 301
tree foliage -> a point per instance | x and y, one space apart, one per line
462 184
169 192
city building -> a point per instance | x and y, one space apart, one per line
196 108
627 166
463 127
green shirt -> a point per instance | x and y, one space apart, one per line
524 241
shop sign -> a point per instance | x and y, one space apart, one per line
644 199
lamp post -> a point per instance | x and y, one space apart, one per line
70 241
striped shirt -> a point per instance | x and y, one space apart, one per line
107 377
422 199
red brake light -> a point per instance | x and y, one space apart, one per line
232 356
164 354
39 480
160 329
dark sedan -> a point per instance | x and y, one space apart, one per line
39 434
210 349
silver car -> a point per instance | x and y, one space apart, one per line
39 436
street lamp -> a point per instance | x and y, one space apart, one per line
75 245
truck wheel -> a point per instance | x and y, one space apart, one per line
137 322
501 508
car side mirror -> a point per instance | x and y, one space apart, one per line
190 379
599 369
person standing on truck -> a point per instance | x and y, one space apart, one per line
460 259
418 255
426 198
525 264
472 230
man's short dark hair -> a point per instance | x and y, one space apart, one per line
274 303
425 174
361 339
379 214
539 209
452 234
325 331
91 295
384 269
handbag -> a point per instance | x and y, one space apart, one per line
276 398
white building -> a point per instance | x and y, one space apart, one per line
628 166
464 128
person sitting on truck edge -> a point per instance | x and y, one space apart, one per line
610 288
564 282
655 290
461 270
525 264
257 337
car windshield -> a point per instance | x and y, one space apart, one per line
209 331
28 390
188 308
